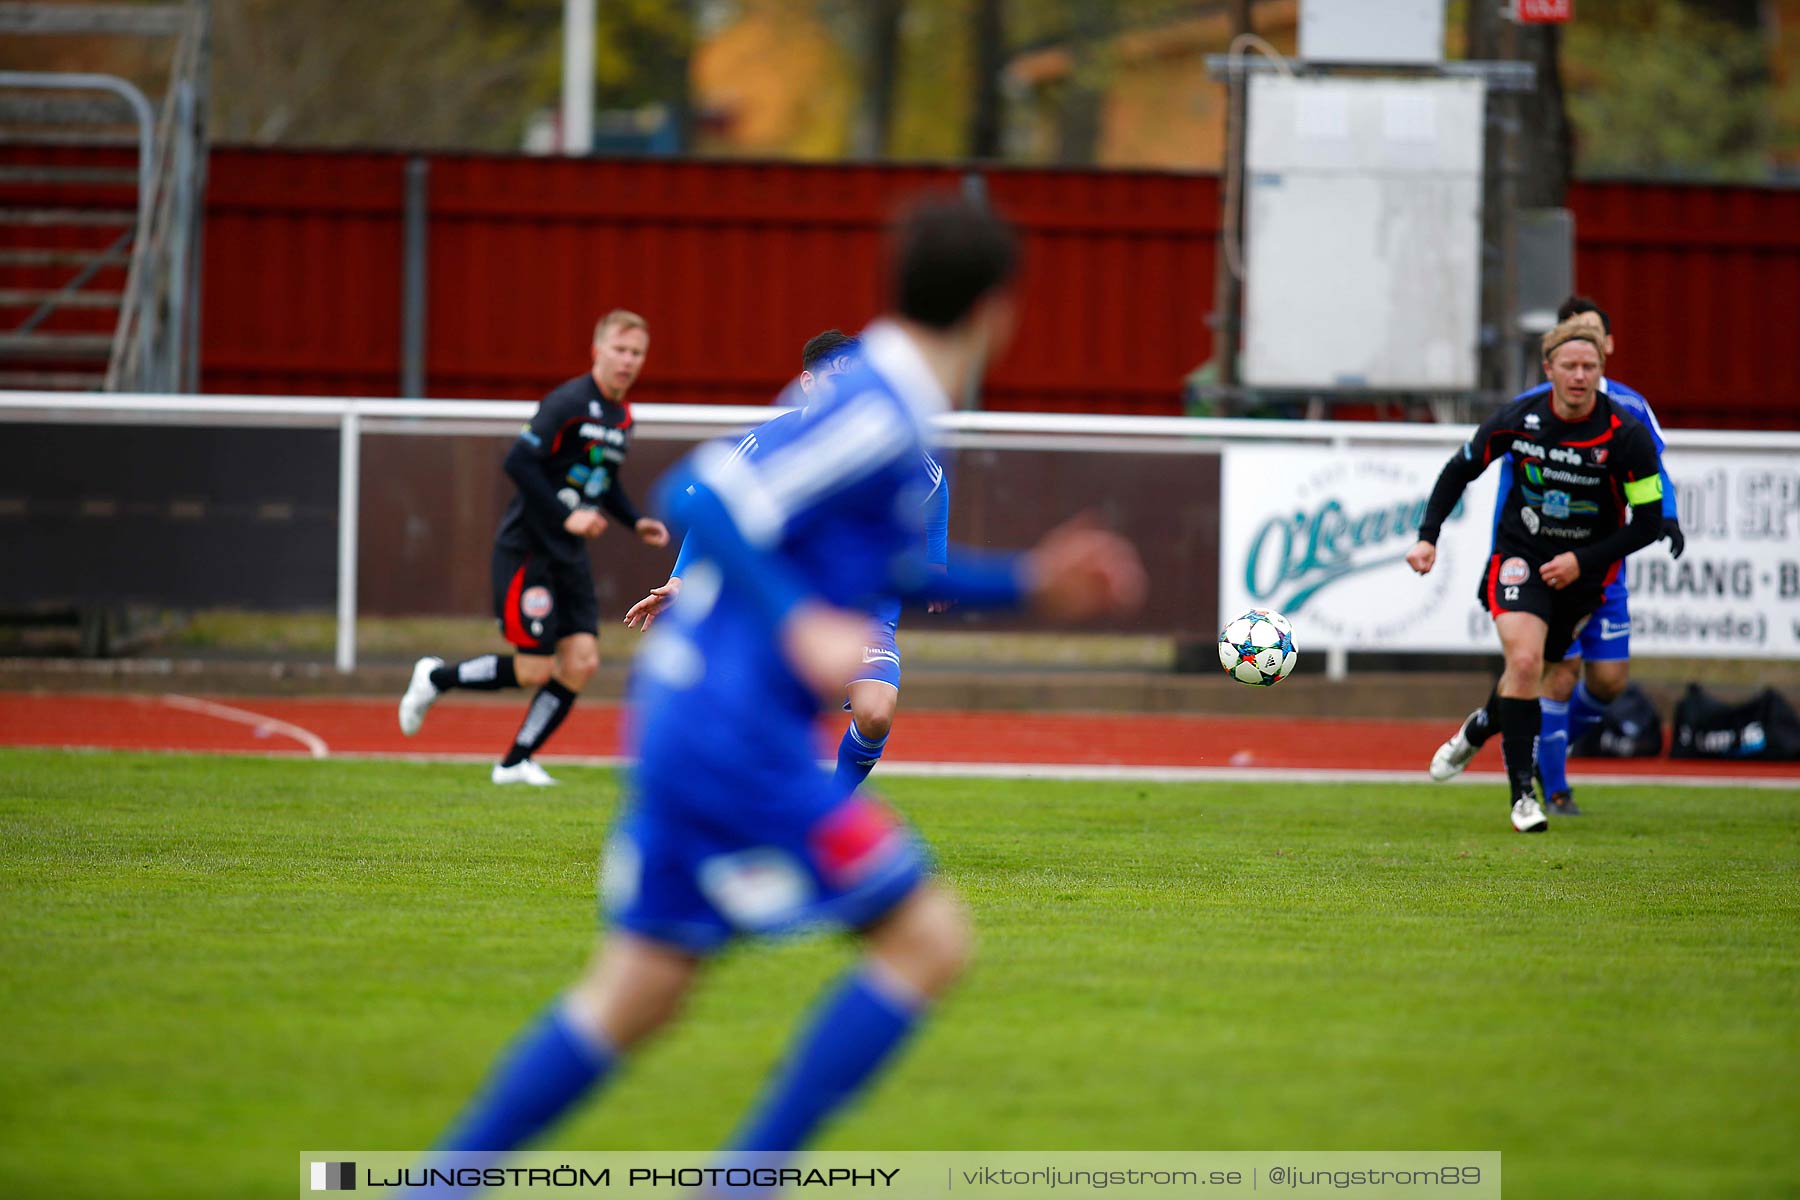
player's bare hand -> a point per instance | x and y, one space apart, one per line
1079 571
1561 571
944 605
652 532
645 611
825 645
1422 557
585 522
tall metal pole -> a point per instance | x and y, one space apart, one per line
1228 289
578 77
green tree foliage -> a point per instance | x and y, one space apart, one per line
457 73
1660 87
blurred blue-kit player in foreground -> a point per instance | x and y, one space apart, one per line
731 826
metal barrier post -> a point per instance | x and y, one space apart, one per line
349 497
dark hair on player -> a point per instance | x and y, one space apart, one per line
948 254
830 343
1574 306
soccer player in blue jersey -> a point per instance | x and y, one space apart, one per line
873 694
1571 705
731 828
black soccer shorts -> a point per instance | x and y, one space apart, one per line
539 600
1511 583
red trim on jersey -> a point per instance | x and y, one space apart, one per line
1494 608
1613 573
556 442
1487 449
1605 437
512 626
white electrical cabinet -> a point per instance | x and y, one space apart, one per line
1362 253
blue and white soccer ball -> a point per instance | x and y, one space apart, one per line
1258 648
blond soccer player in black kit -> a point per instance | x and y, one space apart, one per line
1586 492
566 465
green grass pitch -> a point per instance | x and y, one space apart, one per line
212 964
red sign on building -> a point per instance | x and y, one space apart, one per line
1543 12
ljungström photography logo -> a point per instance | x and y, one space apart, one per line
334 1177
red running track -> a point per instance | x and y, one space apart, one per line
482 728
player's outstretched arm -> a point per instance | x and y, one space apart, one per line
1079 571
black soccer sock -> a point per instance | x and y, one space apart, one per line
1519 724
489 673
1487 723
548 708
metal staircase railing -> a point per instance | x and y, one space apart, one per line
64 227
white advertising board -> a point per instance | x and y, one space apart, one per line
1320 534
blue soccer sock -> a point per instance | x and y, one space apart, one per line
1585 711
857 756
853 1033
543 1073
1553 746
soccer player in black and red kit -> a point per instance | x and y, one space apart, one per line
1586 491
566 465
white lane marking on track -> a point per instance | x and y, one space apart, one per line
1146 774
263 726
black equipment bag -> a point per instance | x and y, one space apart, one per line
1629 728
1764 727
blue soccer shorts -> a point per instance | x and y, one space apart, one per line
808 859
1607 636
881 658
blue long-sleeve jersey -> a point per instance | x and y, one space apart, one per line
782 429
1633 402
831 507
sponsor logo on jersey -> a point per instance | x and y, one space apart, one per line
1609 630
1556 504
1530 517
594 408
1514 571
1561 454
1599 456
601 433
1540 474
1531 421
536 602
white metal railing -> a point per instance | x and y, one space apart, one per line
355 417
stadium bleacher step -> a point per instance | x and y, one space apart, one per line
66 216
35 256
122 176
53 381
142 20
55 347
19 297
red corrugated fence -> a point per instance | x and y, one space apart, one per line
735 264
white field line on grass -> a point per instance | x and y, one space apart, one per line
263 726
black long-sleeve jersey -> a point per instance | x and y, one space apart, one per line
569 456
1572 484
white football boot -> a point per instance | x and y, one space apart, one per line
1455 754
420 695
1528 816
522 772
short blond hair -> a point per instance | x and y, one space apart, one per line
621 318
1574 330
